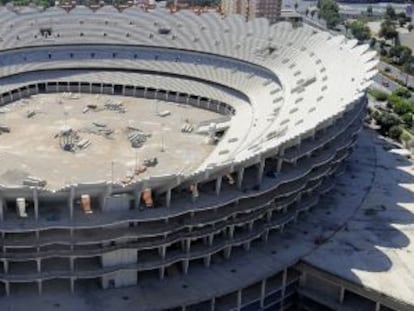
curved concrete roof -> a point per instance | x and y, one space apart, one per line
295 79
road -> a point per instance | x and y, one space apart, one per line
397 73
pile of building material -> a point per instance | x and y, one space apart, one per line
83 144
34 182
100 129
4 129
164 113
30 114
187 128
150 162
137 137
115 106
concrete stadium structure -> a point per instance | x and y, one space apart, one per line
295 99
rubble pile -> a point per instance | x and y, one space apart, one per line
137 137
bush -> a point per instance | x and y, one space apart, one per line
407 118
400 105
405 137
387 121
402 92
395 132
378 95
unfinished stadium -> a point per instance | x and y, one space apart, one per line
151 152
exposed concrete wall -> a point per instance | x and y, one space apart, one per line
120 256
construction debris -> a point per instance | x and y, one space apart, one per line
30 114
34 182
164 113
187 128
140 169
151 162
98 129
115 106
4 129
83 144
137 137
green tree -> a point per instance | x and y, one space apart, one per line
369 10
400 54
410 27
360 31
388 31
390 13
329 11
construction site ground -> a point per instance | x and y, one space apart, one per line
33 146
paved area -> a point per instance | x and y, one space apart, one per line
375 246
34 148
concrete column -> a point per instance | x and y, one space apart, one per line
1 210
39 287
269 216
39 265
262 293
260 171
246 246
72 285
168 198
240 175
279 165
207 261
239 299
210 239
185 264
162 273
341 294
72 264
162 250
265 235
231 231
36 203
194 194
137 197
7 287
70 201
6 266
218 184
187 245
227 252
377 306
284 279
251 224
213 304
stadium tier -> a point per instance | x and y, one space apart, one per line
285 104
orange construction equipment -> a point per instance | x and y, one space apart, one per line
86 204
147 197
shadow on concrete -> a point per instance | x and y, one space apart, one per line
374 235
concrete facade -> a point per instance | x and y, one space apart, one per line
292 126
